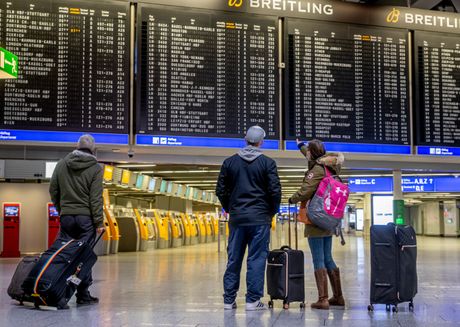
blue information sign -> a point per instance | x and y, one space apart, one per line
438 151
60 137
359 147
370 184
409 184
165 140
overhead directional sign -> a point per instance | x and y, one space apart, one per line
409 184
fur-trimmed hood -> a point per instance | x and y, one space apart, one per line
332 160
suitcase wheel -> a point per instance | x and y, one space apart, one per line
285 305
270 304
395 308
388 308
370 308
302 305
411 306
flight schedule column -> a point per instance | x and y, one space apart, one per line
347 83
74 71
438 78
206 74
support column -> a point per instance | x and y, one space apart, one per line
367 216
398 199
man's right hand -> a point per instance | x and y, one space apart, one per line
100 230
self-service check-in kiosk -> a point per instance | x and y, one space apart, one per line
153 228
201 227
189 229
103 246
176 230
143 230
11 218
53 223
194 233
112 222
163 229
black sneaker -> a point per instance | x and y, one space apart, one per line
87 300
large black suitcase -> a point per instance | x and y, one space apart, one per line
286 273
54 278
23 269
393 266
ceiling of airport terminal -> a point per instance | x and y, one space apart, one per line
205 177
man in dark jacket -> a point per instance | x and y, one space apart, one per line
76 191
249 190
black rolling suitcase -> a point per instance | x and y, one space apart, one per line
393 266
23 269
286 273
58 272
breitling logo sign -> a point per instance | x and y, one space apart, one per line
393 16
293 6
235 3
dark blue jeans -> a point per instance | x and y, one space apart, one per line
321 251
79 228
257 239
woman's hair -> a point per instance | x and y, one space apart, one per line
316 148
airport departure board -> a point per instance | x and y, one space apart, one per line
73 66
438 89
208 74
347 83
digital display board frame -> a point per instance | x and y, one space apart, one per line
352 146
432 107
62 88
215 139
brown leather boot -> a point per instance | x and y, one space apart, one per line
321 284
337 298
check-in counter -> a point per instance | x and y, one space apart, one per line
129 228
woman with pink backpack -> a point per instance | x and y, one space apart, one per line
321 166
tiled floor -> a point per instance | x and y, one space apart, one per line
183 287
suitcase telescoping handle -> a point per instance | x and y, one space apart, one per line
98 238
295 227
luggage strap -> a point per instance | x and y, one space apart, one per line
45 266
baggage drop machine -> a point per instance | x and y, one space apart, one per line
129 228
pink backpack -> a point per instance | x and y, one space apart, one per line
328 204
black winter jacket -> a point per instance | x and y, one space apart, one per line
249 189
76 186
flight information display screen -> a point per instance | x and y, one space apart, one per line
205 74
73 72
347 84
437 70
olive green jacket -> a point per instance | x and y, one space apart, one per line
313 176
76 187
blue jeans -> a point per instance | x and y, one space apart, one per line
321 251
257 239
